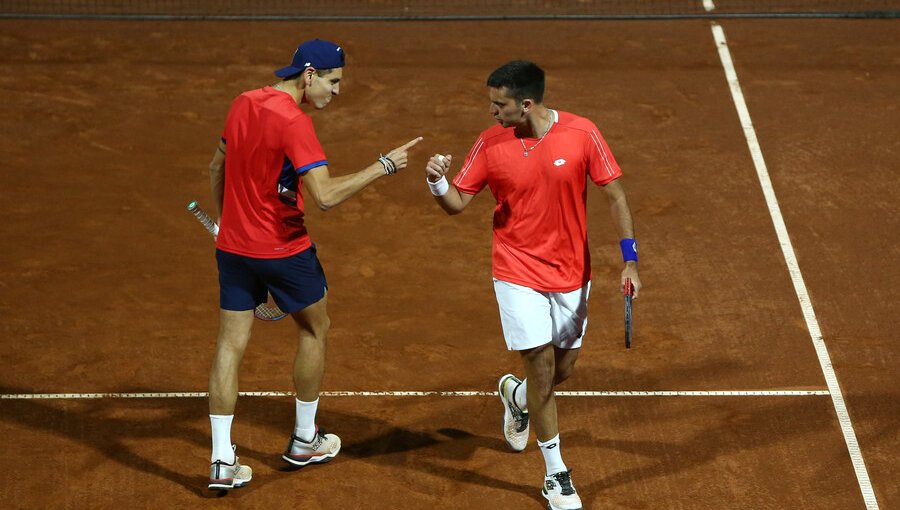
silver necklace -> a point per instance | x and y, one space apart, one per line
526 150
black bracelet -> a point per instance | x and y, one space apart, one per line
389 167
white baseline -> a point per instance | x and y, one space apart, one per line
203 394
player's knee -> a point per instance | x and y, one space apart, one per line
563 372
540 370
313 322
318 329
233 343
323 327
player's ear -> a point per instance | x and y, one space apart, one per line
527 104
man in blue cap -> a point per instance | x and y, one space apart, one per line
270 150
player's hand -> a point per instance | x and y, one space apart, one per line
437 167
631 271
400 155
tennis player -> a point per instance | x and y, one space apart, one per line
268 154
537 162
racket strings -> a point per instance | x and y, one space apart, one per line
268 312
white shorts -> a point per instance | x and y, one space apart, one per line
532 318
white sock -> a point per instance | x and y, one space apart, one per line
552 456
305 424
520 395
221 438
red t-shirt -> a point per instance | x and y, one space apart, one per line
540 225
269 144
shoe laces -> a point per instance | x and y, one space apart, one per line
564 479
521 419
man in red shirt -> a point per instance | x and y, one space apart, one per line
536 162
270 151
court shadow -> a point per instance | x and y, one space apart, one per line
461 446
112 426
103 426
446 452
92 426
424 444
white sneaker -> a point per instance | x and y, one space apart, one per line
560 493
321 449
224 476
515 421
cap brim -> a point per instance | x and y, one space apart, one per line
284 72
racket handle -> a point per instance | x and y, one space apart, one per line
202 217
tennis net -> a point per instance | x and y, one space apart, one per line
439 9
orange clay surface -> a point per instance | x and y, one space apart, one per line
108 285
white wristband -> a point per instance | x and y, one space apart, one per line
439 188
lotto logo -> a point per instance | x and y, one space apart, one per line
559 162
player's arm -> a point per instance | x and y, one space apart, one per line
621 216
217 176
329 191
451 200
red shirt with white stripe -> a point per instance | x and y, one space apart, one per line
269 143
540 223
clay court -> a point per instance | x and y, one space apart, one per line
749 337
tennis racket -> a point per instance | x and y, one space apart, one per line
628 290
267 311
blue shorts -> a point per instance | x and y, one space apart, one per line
295 282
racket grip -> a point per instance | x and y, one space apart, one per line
628 289
202 217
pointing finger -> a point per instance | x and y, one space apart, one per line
410 143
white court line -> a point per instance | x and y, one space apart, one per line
201 394
709 5
790 258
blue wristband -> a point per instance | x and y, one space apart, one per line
629 249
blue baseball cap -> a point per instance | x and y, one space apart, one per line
317 54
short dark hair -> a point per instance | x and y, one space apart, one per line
521 78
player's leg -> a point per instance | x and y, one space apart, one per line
525 318
300 289
528 327
234 335
569 316
309 366
239 291
309 363
308 443
565 364
226 471
540 368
